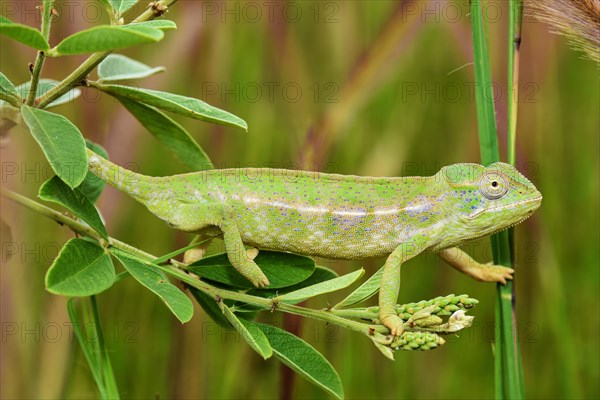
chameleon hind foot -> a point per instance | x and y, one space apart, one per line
255 274
260 280
394 323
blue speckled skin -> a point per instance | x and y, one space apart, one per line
338 216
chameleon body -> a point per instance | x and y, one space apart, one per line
339 216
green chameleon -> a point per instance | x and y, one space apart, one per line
339 216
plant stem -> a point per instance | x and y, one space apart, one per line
515 10
73 79
35 77
79 74
322 315
47 12
512 356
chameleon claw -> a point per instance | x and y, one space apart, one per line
262 282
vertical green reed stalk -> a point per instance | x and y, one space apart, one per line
508 370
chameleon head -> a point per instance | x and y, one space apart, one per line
489 199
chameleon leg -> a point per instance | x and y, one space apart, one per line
390 288
239 258
481 272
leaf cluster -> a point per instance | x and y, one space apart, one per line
85 266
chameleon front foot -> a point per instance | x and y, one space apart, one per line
394 323
495 273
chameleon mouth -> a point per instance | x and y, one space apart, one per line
537 200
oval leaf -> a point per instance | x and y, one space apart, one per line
303 358
8 91
282 269
170 134
24 34
45 85
186 106
107 37
363 292
82 268
250 332
116 67
320 274
331 285
162 24
57 191
153 279
60 141
92 186
121 6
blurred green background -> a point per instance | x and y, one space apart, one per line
356 87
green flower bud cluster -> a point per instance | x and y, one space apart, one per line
440 306
417 341
424 325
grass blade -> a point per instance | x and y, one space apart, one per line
509 383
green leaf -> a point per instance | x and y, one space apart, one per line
186 106
60 141
210 306
8 91
321 288
56 191
303 358
116 67
162 24
108 37
320 274
82 268
251 333
121 6
23 34
282 269
154 280
92 186
363 292
484 90
170 134
45 85
92 345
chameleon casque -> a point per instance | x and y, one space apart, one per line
339 216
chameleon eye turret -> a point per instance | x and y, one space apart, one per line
493 185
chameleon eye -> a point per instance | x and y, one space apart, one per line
493 185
